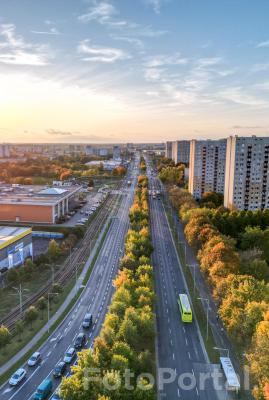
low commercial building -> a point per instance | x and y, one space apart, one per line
15 246
35 204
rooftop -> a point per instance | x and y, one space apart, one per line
34 194
10 234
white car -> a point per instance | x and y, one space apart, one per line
17 377
69 355
34 359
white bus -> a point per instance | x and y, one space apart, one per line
230 375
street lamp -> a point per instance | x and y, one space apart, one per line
222 349
20 291
50 294
207 310
185 250
194 266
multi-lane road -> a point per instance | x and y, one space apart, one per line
95 299
179 346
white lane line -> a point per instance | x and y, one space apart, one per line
27 380
49 353
173 356
186 340
189 355
178 392
197 391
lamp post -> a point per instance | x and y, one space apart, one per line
50 294
207 311
185 250
20 291
194 266
222 349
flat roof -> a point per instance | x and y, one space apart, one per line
11 234
34 194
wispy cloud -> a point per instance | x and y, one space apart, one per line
52 31
139 44
263 44
156 4
101 12
100 54
165 60
239 95
14 49
57 132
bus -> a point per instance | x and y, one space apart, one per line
184 308
232 381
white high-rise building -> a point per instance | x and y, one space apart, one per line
247 173
116 153
181 151
207 166
168 149
4 151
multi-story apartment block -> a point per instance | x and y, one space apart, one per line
4 150
181 151
168 149
207 166
247 173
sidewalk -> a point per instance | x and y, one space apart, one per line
59 312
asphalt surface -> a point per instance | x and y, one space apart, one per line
95 299
179 346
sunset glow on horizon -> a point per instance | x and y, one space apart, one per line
132 71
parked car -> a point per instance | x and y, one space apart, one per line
59 369
34 359
80 341
43 390
87 322
17 377
69 355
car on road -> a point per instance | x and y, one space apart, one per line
17 377
80 341
87 322
59 369
43 390
69 355
34 359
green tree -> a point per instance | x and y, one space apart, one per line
54 250
12 275
4 336
31 315
42 305
19 326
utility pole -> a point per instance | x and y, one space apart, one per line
20 291
50 294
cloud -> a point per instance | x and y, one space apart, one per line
52 31
156 4
131 40
101 12
239 96
59 132
263 44
100 54
165 60
247 127
14 50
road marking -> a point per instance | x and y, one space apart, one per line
197 391
178 392
49 353
173 356
186 340
189 355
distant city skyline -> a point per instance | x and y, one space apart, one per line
115 71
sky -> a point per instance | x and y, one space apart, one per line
133 70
